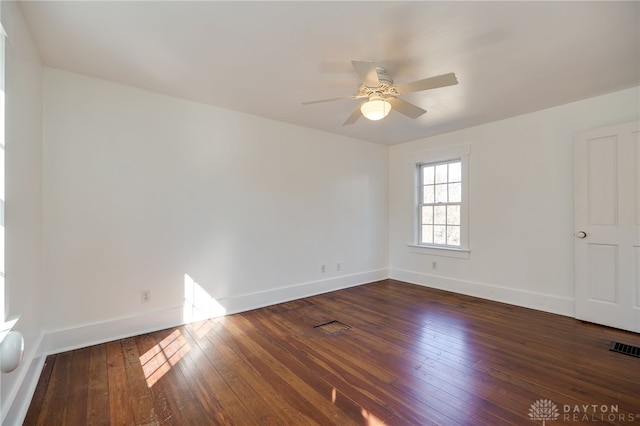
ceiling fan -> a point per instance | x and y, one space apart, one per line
382 95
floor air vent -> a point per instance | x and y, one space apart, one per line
333 327
625 349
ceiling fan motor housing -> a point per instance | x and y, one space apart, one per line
384 88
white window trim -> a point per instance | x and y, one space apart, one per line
461 152
440 251
7 323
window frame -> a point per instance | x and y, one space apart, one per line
438 156
6 324
420 204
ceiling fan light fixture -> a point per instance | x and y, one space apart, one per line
376 108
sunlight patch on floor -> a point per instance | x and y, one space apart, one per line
201 329
371 420
159 360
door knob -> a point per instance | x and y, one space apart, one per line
581 234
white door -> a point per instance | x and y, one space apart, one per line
607 226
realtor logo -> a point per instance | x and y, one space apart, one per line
543 409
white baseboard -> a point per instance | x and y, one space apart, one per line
542 302
246 302
20 395
91 334
57 341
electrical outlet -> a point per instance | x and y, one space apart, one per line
323 268
145 296
338 266
434 265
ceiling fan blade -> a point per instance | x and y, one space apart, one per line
355 115
341 98
428 83
367 73
406 108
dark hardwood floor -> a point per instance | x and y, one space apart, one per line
399 354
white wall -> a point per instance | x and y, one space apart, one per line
23 219
140 189
521 205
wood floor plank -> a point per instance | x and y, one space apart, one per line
39 395
54 406
76 412
140 396
410 355
98 412
120 411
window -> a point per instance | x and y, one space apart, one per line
6 324
441 202
2 171
440 198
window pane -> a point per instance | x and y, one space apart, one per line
427 194
441 193
427 175
453 215
455 192
441 173
427 234
427 215
455 172
440 235
453 235
440 215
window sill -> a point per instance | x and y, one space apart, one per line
440 251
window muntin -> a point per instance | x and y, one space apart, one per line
440 204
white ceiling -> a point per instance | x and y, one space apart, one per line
266 58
